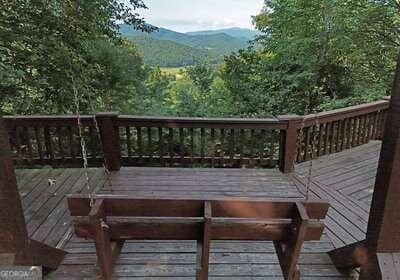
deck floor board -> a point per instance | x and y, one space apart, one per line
345 179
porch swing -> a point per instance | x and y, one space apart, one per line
110 220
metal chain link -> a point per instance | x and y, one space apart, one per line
97 127
82 142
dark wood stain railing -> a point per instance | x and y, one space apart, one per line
199 142
338 130
190 142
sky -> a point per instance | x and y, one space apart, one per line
194 15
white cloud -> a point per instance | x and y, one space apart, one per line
191 15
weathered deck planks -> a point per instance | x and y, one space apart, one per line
345 179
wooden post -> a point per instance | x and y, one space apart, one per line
203 246
289 142
109 140
15 246
289 251
14 241
383 234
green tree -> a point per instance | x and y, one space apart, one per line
315 55
201 74
46 51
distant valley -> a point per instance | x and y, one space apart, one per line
168 48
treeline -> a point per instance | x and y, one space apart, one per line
166 53
312 56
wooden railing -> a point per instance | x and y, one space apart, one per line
118 140
338 130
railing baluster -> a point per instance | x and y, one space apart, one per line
72 153
171 145
182 145
262 146
93 142
18 142
300 145
313 146
149 144
128 140
327 136
212 151
191 132
60 142
363 129
241 149
161 145
202 145
232 147
28 142
139 142
271 151
38 142
307 143
375 125
222 152
48 144
251 161
321 129
366 127
344 135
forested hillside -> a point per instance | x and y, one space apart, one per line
236 32
311 56
168 53
185 48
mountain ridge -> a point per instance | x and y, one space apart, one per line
213 46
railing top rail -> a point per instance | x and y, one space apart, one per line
176 122
188 122
348 112
42 120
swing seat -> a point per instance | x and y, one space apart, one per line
113 219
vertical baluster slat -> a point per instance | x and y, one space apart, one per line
139 142
251 162
222 152
28 142
72 143
232 147
321 129
271 149
202 144
161 145
48 144
93 142
191 133
149 144
241 147
261 147
327 136
171 145
212 149
182 145
60 142
307 149
128 141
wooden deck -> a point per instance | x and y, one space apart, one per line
345 179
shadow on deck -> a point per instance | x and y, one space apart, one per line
345 179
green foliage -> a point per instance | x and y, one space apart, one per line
46 51
167 53
315 55
202 75
312 55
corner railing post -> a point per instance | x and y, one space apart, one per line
289 142
109 139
